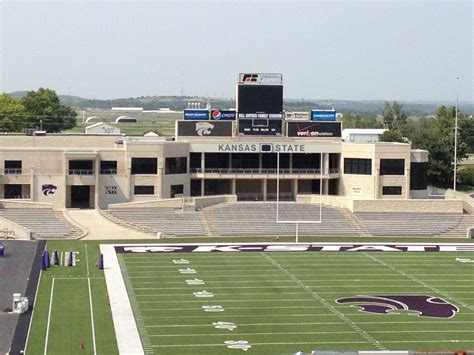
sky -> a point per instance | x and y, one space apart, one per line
354 50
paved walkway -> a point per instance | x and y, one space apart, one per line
100 228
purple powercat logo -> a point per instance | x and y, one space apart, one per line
420 305
48 189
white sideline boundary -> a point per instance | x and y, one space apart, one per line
126 331
49 317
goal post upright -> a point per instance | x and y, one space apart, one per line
298 222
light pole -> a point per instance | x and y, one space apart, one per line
456 134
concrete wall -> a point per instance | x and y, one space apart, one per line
8 229
201 202
171 203
468 201
413 206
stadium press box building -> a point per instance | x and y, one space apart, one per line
214 152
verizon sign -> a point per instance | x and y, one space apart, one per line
314 129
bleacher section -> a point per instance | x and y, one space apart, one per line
259 219
254 219
408 224
43 222
169 221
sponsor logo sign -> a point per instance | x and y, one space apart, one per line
261 78
261 115
48 189
302 247
323 115
223 115
205 128
419 305
298 115
313 129
260 127
196 114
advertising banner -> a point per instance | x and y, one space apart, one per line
313 129
323 115
205 129
298 115
261 78
196 114
223 115
260 127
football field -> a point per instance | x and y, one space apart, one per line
284 302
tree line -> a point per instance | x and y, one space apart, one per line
39 109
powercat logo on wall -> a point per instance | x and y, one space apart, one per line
313 247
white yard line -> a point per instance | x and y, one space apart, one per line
330 307
87 259
33 311
49 318
92 314
469 341
303 333
126 331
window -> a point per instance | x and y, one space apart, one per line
418 176
108 167
12 191
392 166
195 161
176 165
176 190
147 166
80 167
357 166
12 167
392 190
144 190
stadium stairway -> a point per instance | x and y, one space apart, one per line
460 230
101 228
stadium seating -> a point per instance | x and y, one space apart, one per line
408 224
169 221
244 219
43 222
259 219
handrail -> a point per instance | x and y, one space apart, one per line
81 172
257 171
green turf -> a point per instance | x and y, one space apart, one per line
285 302
70 320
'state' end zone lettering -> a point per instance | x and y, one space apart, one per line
314 247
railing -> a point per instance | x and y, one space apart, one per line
108 171
334 171
12 171
256 171
81 172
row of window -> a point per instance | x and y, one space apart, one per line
150 190
364 166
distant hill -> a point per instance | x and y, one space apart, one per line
369 107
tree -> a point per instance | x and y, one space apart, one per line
11 114
43 108
466 176
392 136
393 115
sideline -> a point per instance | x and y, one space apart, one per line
49 318
92 315
126 331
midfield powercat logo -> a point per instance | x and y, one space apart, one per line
419 305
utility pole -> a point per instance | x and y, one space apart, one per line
456 134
